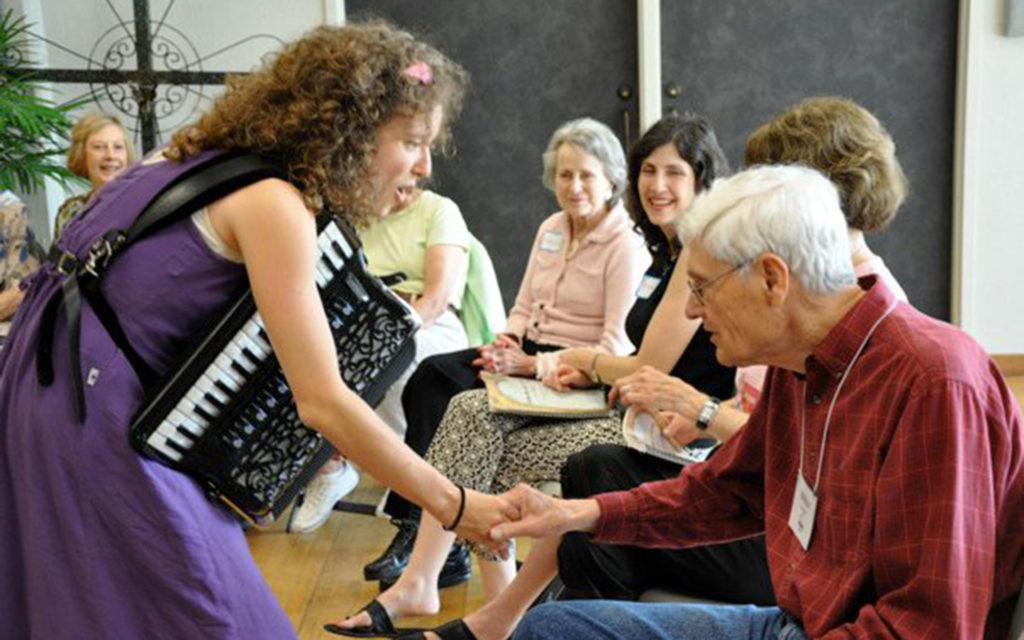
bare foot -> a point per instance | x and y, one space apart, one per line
482 626
407 597
489 625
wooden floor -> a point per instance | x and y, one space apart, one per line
318 578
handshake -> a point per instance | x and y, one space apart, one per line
493 521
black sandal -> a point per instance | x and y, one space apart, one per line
453 630
380 624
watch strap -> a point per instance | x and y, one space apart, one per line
708 413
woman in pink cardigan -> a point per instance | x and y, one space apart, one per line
585 265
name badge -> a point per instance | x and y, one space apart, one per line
801 515
551 241
647 287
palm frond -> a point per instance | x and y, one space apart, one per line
33 130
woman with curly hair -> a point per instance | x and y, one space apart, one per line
98 541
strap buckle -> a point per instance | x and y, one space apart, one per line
67 264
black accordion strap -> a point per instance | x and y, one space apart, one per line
204 185
212 181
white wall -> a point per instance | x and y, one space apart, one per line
212 36
990 235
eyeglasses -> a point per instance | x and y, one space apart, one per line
697 290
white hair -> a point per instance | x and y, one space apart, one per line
791 211
593 138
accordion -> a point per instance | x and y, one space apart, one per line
227 417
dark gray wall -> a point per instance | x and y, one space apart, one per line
534 65
741 61
537 63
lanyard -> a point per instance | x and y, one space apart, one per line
832 405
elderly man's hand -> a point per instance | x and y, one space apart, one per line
677 429
540 515
652 391
482 513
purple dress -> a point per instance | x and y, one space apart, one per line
97 541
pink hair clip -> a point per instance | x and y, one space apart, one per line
420 72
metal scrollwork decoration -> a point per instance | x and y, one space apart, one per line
147 71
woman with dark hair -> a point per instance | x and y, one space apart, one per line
678 157
98 541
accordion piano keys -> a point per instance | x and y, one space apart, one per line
226 416
200 407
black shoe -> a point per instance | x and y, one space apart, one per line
456 570
392 562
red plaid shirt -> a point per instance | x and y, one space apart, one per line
919 531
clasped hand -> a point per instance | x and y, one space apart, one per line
505 356
570 373
493 521
541 515
483 513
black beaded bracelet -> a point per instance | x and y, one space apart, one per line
462 508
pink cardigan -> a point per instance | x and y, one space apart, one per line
582 301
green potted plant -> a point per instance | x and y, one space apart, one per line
33 130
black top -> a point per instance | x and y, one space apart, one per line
698 365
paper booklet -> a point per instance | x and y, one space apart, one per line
643 434
529 397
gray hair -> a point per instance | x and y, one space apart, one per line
595 139
791 211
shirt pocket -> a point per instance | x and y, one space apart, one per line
547 269
847 516
582 289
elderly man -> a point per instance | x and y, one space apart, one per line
884 461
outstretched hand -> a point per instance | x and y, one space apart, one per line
541 515
482 513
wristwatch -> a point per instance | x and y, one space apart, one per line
708 413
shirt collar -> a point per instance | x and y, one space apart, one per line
834 353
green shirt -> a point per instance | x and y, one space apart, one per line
399 241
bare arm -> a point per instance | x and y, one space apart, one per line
10 298
276 236
665 339
444 264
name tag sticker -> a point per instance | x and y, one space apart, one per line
647 287
801 516
551 241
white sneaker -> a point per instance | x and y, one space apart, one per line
321 495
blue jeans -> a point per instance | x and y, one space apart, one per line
597 619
